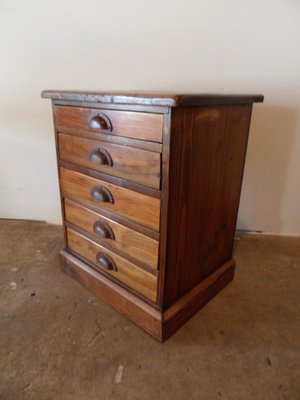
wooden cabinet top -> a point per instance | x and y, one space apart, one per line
153 98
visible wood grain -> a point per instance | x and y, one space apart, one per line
152 109
62 209
184 308
164 205
126 240
136 187
206 168
153 98
118 218
142 314
137 207
186 229
128 256
159 325
124 123
128 273
128 163
120 140
113 278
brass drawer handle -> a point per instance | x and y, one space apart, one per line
100 121
106 262
101 193
104 230
101 156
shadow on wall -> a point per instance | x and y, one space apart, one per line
271 140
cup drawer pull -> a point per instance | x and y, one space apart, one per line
101 156
101 193
106 262
100 121
104 230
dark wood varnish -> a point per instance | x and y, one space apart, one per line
206 168
137 207
150 186
123 301
122 123
119 238
119 140
153 98
125 162
123 270
177 314
136 187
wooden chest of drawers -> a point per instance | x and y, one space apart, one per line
150 186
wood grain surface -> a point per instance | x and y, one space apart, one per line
150 187
138 311
206 169
130 124
186 306
170 99
137 207
126 162
120 140
128 273
126 240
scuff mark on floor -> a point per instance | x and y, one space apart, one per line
97 333
13 285
27 386
118 374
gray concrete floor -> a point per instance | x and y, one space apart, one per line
57 341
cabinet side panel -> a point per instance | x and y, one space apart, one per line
207 155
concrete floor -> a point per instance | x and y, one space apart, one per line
57 341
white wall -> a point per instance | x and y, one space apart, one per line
192 45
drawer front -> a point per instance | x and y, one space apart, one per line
136 165
104 260
116 235
137 207
130 124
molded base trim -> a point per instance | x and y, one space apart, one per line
119 298
160 325
176 315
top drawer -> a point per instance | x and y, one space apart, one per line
131 124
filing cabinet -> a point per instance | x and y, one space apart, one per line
150 186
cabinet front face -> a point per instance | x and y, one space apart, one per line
110 169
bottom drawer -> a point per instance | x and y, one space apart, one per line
105 260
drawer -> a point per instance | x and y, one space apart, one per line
119 237
106 261
130 124
137 207
129 163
